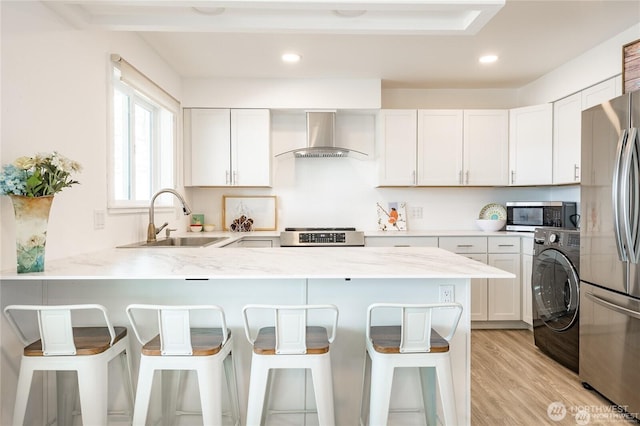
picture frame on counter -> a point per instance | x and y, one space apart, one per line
631 66
243 213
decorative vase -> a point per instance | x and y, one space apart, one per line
32 217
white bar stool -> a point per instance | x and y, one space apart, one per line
413 343
290 343
177 345
63 347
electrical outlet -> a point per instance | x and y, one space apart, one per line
416 212
446 294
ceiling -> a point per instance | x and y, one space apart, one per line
531 38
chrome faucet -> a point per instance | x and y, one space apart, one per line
151 229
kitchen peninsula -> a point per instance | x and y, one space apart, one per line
351 278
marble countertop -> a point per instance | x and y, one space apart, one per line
212 262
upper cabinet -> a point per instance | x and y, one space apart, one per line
227 147
440 147
397 147
443 147
486 147
530 145
567 113
567 121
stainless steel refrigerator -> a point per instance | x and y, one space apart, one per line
610 251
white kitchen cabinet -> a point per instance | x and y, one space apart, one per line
567 119
504 295
255 242
479 293
492 299
397 130
397 241
486 147
474 248
443 147
527 269
530 145
227 147
601 92
440 147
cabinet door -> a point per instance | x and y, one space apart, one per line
479 305
207 146
530 145
401 241
504 294
486 147
251 147
527 268
397 147
440 147
567 119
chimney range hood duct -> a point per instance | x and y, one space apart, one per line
321 140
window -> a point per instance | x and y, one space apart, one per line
143 142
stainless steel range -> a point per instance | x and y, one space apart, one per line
321 237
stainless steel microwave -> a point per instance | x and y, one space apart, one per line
529 215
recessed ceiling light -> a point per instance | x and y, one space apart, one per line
211 11
349 13
488 59
291 58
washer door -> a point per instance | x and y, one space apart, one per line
555 289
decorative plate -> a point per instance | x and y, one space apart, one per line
494 212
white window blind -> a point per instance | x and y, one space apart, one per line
136 79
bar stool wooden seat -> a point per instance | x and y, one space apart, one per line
413 343
290 344
64 347
174 344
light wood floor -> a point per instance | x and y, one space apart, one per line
513 383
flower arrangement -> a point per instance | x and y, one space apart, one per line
42 175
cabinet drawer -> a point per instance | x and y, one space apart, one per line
401 241
504 245
464 244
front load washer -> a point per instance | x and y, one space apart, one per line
555 283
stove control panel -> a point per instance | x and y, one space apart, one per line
322 237
307 237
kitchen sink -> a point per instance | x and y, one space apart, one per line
178 242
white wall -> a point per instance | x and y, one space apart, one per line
449 98
329 93
54 97
597 64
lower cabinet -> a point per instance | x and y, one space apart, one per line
255 242
401 241
527 269
492 299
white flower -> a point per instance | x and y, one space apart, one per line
24 163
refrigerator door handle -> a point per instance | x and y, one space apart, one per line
618 221
613 306
629 193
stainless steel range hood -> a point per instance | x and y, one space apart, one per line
321 138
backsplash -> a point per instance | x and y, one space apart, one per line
342 192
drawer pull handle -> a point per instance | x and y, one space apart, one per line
505 245
464 245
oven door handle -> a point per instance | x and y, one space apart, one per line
613 306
